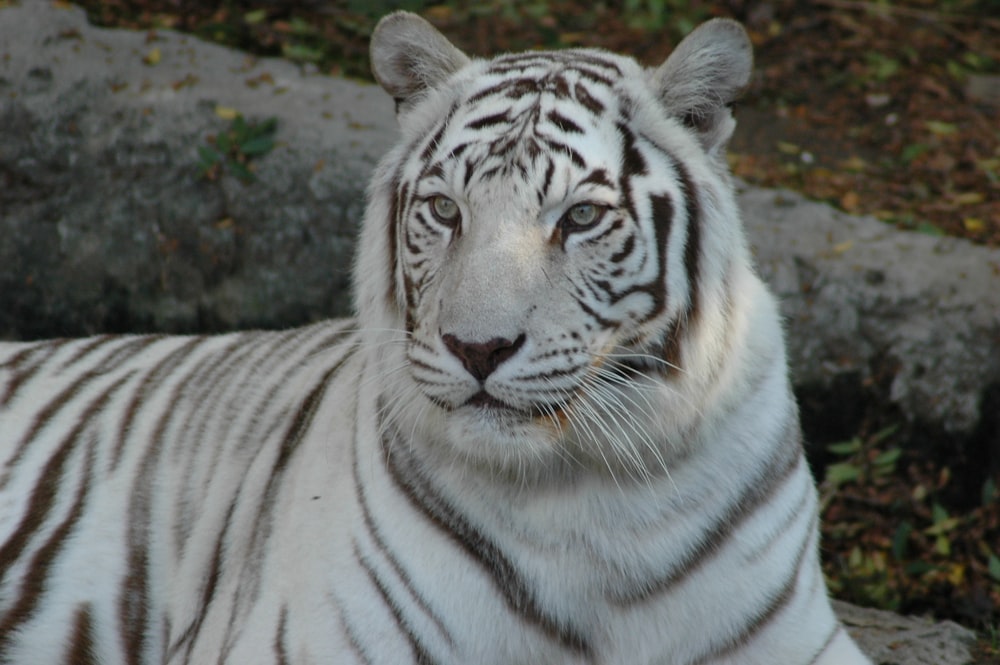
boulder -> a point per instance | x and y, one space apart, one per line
890 639
107 224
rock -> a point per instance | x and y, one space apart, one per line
107 224
890 639
918 314
983 89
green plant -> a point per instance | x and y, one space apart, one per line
234 149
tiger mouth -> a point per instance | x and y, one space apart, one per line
487 402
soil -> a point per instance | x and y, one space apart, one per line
888 109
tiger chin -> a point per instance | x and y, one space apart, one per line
559 429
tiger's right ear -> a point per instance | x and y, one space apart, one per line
409 57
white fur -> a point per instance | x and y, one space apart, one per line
250 469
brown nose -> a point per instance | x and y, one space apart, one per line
482 358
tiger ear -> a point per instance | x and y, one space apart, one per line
409 57
703 76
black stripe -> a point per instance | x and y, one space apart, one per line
768 613
488 121
420 654
39 507
563 123
86 348
633 165
837 627
280 643
692 245
785 459
585 99
133 601
150 382
81 650
190 634
397 193
386 551
567 150
22 376
514 589
626 250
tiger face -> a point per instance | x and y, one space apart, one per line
547 223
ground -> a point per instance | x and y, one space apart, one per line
889 109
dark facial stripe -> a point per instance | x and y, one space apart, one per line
558 146
627 247
692 246
81 643
563 123
588 101
516 592
597 177
488 121
784 460
769 612
398 193
421 656
633 165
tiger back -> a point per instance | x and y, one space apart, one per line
559 429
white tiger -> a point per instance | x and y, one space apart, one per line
559 431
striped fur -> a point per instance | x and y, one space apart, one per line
559 431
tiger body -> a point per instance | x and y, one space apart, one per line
560 429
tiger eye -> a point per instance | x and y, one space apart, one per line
445 210
582 216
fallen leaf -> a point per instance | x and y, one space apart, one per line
226 112
968 198
941 128
842 247
850 201
974 225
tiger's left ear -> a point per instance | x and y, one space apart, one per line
703 76
409 57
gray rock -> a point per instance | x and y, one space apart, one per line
916 313
106 222
890 639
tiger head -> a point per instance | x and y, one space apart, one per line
552 243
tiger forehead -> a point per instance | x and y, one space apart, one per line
572 74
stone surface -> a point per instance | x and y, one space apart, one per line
890 639
105 225
917 313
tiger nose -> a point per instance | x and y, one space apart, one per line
482 358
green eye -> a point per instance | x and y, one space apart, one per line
445 210
581 217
